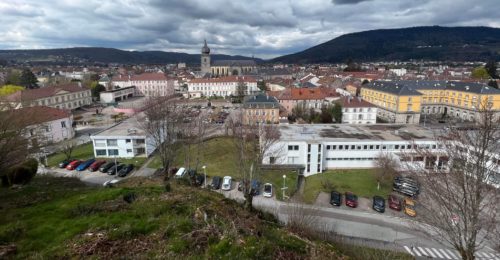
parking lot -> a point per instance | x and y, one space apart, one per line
96 178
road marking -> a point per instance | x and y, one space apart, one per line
452 254
430 252
416 251
437 252
422 250
409 251
444 253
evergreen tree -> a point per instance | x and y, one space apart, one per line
491 68
337 113
28 79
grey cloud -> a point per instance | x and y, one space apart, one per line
348 2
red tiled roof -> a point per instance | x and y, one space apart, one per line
354 102
42 114
142 77
33 94
225 79
308 93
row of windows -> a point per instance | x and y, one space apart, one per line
293 148
378 147
352 159
102 152
259 111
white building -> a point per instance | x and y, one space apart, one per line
357 111
47 125
125 140
399 72
320 147
146 84
223 87
116 95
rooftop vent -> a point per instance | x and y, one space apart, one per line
131 131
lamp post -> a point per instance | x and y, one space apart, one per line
284 186
205 173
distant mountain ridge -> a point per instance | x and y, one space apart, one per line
107 55
426 42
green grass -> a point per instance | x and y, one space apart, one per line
85 151
359 181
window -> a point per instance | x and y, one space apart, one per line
293 160
112 142
327 147
100 152
371 147
346 147
308 148
129 150
341 147
353 147
293 148
63 124
365 147
140 141
334 147
127 140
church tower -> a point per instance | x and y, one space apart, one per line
205 59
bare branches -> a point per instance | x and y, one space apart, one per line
386 168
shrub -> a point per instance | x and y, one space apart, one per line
21 174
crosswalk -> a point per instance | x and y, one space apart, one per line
440 253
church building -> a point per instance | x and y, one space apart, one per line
222 68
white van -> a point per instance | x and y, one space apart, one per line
180 173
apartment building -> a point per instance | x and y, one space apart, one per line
260 109
222 87
46 125
405 101
67 96
307 97
357 111
146 84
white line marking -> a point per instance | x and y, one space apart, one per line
416 251
444 253
409 251
422 250
452 254
437 252
430 252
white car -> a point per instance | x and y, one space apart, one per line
110 183
180 173
268 190
226 183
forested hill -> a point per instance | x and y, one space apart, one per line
427 43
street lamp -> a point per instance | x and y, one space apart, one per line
205 173
284 186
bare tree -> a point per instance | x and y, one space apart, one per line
163 125
385 168
67 148
193 135
253 143
458 203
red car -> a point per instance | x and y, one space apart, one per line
95 166
351 200
72 165
394 202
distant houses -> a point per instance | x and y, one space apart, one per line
146 84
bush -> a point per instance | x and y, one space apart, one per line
21 174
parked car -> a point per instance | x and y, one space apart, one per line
72 165
199 179
84 165
95 165
406 185
65 163
115 169
241 183
378 204
226 183
125 170
254 187
105 167
394 202
110 183
351 200
180 173
268 190
335 198
216 181
409 207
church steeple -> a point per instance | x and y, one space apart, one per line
205 49
205 59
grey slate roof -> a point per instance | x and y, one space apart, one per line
234 63
407 87
274 71
260 101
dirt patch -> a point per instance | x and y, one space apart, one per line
100 245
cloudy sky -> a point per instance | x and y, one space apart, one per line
264 28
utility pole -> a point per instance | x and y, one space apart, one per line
205 173
284 186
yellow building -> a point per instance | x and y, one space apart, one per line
404 101
260 109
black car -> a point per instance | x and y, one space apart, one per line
65 163
254 187
335 198
216 182
125 170
378 204
105 167
199 179
113 170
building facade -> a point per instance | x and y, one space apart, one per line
125 140
68 96
357 111
317 148
117 95
224 68
47 125
222 87
308 98
260 109
146 84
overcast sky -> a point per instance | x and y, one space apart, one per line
264 28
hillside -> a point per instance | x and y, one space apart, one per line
427 43
105 55
63 218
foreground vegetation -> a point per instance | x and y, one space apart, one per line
360 181
63 218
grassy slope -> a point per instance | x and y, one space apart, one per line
360 181
85 151
62 218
